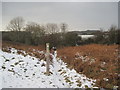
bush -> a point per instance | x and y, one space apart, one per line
71 39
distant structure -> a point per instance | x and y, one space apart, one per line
86 34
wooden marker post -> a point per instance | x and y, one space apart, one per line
47 58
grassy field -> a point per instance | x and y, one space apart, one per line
96 61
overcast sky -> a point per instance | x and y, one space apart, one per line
78 15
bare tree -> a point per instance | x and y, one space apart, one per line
52 28
16 24
36 31
113 33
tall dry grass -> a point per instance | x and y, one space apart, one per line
29 49
98 61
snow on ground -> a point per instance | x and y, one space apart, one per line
20 71
86 36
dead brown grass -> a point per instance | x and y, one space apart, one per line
29 49
105 63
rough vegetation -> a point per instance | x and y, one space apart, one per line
100 62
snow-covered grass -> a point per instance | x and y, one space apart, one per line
21 71
86 36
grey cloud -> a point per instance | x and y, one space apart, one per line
79 15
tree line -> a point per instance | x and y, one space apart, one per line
57 35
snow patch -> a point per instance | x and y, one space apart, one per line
18 71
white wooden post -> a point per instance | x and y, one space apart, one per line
47 58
